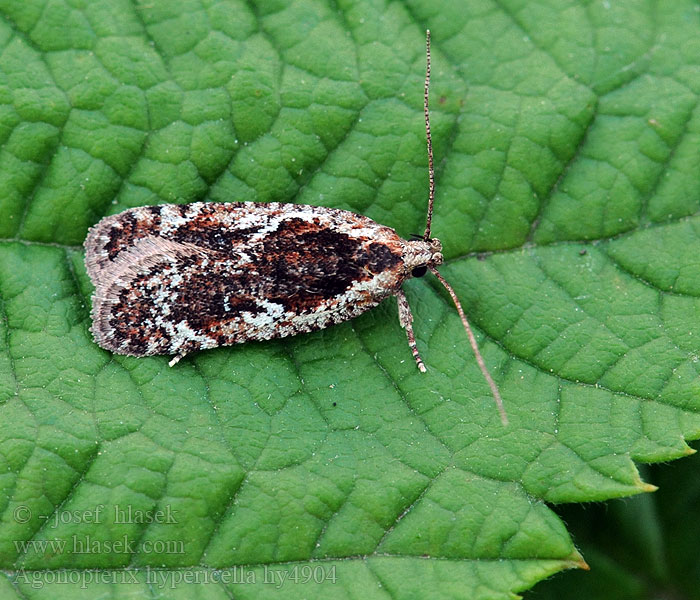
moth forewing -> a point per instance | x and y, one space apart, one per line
173 279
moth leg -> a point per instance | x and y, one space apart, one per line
406 320
176 359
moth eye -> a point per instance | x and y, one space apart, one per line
419 271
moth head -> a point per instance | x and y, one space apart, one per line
421 255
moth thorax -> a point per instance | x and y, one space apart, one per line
421 253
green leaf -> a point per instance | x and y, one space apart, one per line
326 465
638 548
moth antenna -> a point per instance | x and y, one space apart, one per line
475 347
426 111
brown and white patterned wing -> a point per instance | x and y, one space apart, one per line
173 279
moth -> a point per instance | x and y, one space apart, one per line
174 279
